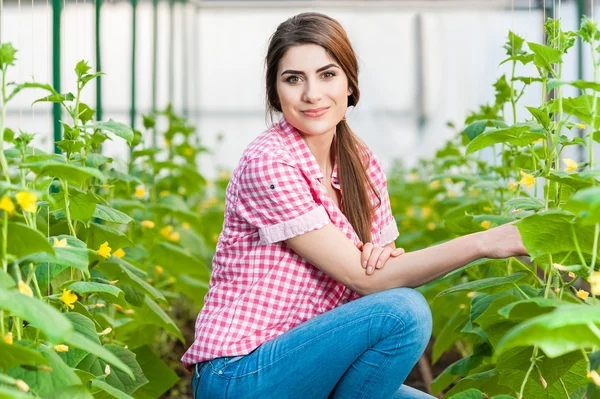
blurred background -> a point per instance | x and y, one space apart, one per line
422 64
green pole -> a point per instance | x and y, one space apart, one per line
56 52
98 63
184 74
580 13
134 4
154 63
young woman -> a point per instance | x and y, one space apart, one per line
298 307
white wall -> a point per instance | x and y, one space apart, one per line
224 52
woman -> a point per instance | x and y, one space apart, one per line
295 309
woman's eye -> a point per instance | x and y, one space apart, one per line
330 73
289 80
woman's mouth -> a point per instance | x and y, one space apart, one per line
315 113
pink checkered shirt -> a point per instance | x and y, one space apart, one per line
259 288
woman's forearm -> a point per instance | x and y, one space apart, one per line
414 269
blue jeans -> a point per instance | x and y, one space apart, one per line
362 349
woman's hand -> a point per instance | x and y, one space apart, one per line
503 242
373 257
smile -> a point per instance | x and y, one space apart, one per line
316 113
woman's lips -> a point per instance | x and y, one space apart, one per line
317 113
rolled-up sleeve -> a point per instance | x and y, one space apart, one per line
384 219
275 197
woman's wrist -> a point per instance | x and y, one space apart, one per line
482 243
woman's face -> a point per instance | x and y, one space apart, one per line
312 88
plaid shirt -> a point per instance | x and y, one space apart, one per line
259 288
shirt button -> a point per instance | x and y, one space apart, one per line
220 371
345 300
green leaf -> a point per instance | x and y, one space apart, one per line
72 257
489 285
117 378
17 355
111 215
31 85
103 352
89 287
117 128
161 377
23 241
6 281
468 394
85 114
82 68
56 98
85 327
74 174
177 261
570 179
114 392
43 316
586 204
98 234
43 382
116 269
545 56
564 330
552 233
567 372
460 368
528 308
71 392
541 116
11 393
448 336
580 106
152 313
486 382
494 326
520 135
526 203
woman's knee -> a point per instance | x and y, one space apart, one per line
409 307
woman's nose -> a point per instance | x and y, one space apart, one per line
312 92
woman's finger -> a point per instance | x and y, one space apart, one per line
366 254
383 257
397 252
372 262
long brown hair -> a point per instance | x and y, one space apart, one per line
351 152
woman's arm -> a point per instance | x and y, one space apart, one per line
331 251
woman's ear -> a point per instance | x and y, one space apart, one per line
350 91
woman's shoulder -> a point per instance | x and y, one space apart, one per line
271 143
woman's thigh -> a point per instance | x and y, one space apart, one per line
309 360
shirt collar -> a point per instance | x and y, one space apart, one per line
299 148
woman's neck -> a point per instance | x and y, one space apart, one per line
320 147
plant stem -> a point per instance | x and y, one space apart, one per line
65 186
533 356
2 124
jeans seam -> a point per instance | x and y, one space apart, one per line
374 377
308 342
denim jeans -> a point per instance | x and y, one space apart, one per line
362 349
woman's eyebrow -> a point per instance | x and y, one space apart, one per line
302 73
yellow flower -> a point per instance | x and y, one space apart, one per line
431 226
410 212
571 274
119 253
167 142
595 283
556 289
475 192
166 231
149 224
515 211
22 385
581 294
27 201
512 186
451 194
426 211
527 180
104 250
188 152
159 269
60 243
129 311
185 226
118 307
105 331
224 175
581 125
100 305
104 186
8 338
163 193
7 204
107 370
538 141
139 192
485 224
61 348
558 266
174 236
25 289
413 177
487 208
113 282
570 165
434 184
68 298
471 294
594 376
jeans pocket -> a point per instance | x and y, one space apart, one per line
198 369
221 365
